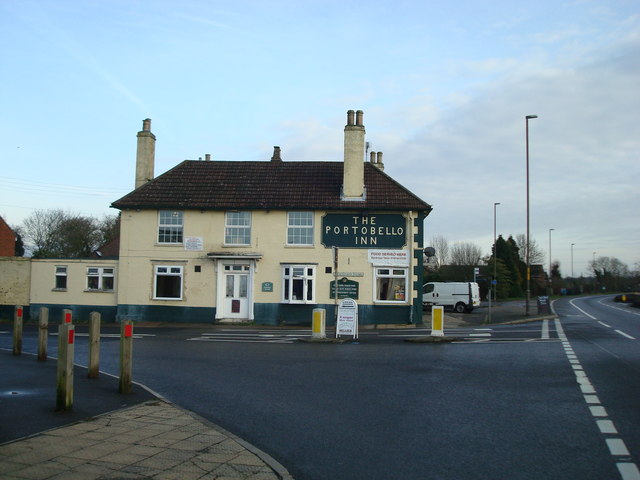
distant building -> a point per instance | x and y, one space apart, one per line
7 240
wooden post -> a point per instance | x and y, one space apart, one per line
64 391
17 330
126 354
43 333
94 344
66 316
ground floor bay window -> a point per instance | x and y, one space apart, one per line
390 284
167 282
298 284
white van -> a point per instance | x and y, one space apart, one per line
461 296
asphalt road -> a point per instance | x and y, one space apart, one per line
503 402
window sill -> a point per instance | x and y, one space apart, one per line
300 303
164 299
58 289
98 290
287 245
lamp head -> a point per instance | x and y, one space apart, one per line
528 117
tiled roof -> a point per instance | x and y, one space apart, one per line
216 185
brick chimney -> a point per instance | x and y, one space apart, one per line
145 154
354 147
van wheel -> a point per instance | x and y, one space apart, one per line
460 307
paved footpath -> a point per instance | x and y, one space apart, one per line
153 439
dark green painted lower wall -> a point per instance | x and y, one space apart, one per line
283 314
169 314
7 312
265 313
79 313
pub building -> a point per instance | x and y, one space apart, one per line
269 241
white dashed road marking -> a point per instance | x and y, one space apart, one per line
628 470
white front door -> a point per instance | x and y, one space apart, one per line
236 291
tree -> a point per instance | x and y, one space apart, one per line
441 246
19 248
58 234
40 230
465 253
536 255
609 271
507 251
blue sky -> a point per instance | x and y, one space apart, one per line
444 87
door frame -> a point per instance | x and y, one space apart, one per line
221 288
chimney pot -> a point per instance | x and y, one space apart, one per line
207 157
350 115
372 157
145 154
276 154
354 158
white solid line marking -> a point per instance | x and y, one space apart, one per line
606 426
545 329
604 324
625 335
617 446
479 334
629 471
590 316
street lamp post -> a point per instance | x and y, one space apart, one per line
572 260
550 282
528 245
495 255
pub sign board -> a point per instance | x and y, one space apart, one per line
373 230
346 289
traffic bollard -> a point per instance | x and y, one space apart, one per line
43 333
17 330
94 344
126 353
66 316
64 391
437 321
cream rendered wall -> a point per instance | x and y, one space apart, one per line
139 252
15 280
43 278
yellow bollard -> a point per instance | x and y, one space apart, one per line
318 324
437 321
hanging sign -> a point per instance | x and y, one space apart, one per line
347 323
382 230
